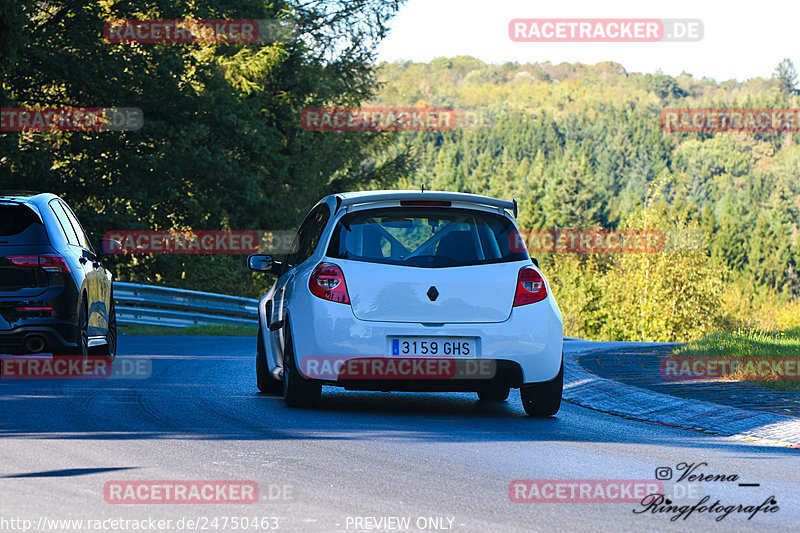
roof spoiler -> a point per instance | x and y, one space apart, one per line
443 196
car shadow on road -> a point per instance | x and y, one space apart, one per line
234 412
69 472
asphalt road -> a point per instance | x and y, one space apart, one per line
438 460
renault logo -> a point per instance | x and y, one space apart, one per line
433 293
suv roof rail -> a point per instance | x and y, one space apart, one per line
18 193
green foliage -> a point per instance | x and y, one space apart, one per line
674 295
786 75
216 331
581 146
221 146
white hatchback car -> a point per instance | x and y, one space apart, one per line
412 291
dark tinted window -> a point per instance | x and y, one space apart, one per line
66 225
426 237
82 239
307 238
20 225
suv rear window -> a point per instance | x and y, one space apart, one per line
20 225
425 237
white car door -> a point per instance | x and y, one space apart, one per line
303 247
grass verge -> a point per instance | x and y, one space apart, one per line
235 331
748 344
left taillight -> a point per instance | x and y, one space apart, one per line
327 282
48 262
530 287
24 260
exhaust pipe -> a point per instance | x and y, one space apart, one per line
34 344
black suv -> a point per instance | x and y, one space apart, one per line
55 295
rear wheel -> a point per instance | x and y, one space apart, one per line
495 393
297 391
266 383
543 399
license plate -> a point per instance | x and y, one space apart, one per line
434 346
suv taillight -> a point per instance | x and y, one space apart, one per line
24 260
48 262
53 263
327 282
530 287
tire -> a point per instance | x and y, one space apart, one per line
109 349
297 391
543 399
266 383
495 393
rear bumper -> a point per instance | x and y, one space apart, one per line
55 337
505 373
526 348
57 327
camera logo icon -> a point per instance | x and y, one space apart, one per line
663 473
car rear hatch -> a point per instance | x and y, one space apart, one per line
24 248
468 294
428 264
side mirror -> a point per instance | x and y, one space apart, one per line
260 263
535 262
108 247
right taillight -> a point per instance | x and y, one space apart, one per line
530 287
53 263
327 282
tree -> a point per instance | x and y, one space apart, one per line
786 75
221 147
572 198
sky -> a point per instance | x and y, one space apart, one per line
741 40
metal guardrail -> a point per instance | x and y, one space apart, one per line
147 305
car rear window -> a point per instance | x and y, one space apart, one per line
425 237
20 225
